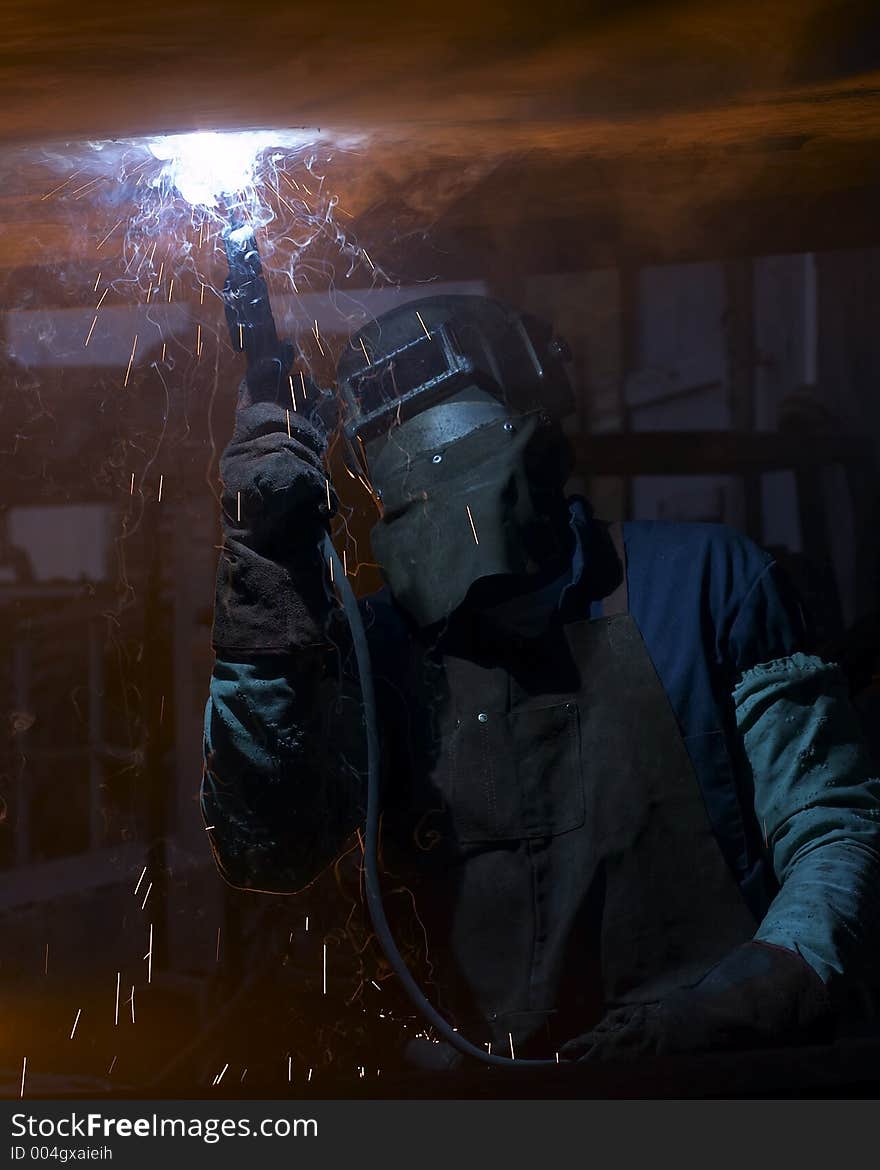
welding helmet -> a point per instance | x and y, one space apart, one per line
452 407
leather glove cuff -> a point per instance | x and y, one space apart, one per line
263 607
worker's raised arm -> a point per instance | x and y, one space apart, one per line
282 781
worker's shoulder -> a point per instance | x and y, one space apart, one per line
694 547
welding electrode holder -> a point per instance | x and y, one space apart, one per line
249 317
252 331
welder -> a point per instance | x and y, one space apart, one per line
630 804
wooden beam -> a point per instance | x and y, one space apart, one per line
715 452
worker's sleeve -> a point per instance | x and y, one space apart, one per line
817 799
283 781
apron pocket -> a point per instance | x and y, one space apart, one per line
517 774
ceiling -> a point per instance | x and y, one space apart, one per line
628 128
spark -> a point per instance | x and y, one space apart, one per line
112 1063
292 182
367 258
164 344
289 435
149 956
91 331
130 361
241 336
473 529
75 1022
238 508
149 293
307 924
46 969
218 944
345 562
327 485
146 895
557 1058
366 355
161 481
144 870
325 968
375 984
170 289
199 342
281 199
131 1001
98 281
330 563
109 234
208 828
423 325
310 1075
90 183
161 270
489 1046
302 379
766 843
118 981
292 395
219 1078
289 1069
134 256
55 190
23 1071
244 1074
131 493
103 295
512 1053
202 295
318 339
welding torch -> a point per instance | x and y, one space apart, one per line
252 332
249 316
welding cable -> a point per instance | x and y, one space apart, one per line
371 836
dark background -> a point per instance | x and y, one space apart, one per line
690 192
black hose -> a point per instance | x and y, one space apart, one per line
371 836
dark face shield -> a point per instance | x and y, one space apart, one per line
457 516
449 411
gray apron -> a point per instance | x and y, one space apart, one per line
553 835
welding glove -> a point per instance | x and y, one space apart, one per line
759 995
272 595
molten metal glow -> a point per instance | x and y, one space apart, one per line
205 167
